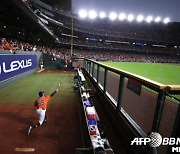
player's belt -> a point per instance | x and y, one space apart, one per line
41 108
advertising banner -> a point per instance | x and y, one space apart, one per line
13 65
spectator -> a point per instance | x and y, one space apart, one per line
1 47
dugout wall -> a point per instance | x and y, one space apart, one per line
14 67
136 105
55 63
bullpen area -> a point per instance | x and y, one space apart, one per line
60 134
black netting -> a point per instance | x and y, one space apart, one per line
113 84
168 119
101 77
95 72
140 108
90 68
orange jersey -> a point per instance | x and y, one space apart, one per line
8 46
41 102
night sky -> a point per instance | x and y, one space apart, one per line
163 8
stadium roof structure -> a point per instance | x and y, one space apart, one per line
17 20
60 5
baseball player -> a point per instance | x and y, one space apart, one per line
41 64
41 106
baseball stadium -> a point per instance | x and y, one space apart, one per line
72 84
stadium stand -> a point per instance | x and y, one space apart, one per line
95 41
105 35
152 40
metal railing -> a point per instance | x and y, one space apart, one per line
148 105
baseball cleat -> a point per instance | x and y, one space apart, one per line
30 129
46 119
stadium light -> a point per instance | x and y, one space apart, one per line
92 14
82 14
157 19
149 19
140 18
112 16
130 17
102 15
122 16
166 20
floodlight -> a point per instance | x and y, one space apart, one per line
102 15
82 13
122 16
112 16
140 18
130 17
166 20
149 19
157 19
92 14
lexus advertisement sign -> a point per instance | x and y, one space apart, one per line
13 65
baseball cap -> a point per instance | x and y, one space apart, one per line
41 93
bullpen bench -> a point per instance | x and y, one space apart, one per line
96 139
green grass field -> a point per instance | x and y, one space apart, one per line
168 74
26 90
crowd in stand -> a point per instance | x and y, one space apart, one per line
126 57
99 50
14 45
129 46
98 55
